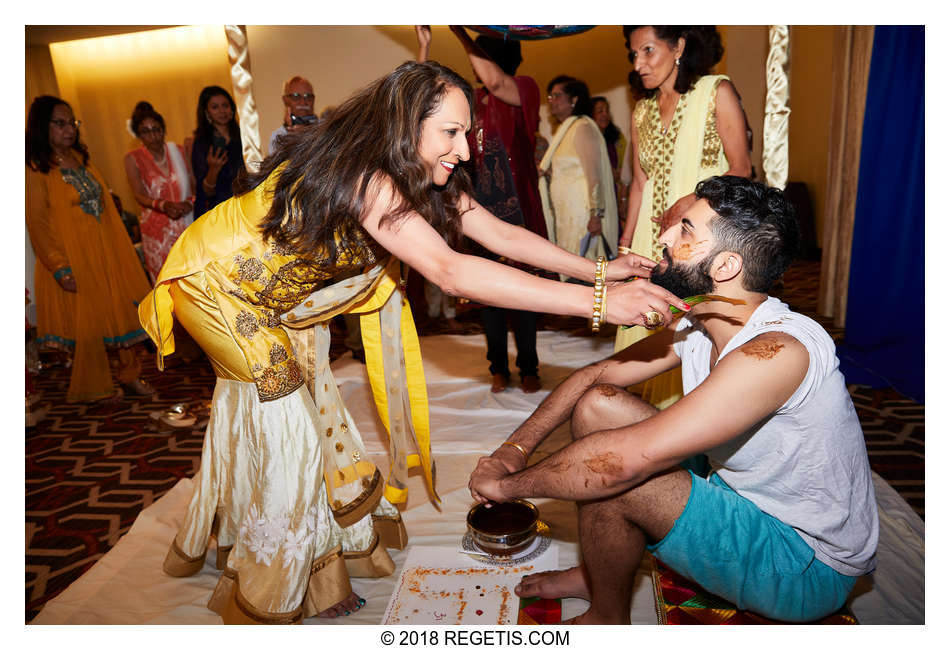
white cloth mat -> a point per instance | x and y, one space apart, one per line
127 585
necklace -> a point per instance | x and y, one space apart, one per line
59 158
163 159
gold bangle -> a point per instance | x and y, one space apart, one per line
523 451
600 290
624 250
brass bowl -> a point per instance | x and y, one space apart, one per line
505 528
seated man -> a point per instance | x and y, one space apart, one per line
787 520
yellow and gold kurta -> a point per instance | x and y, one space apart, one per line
674 161
285 484
74 225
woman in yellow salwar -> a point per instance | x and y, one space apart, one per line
285 484
88 276
688 126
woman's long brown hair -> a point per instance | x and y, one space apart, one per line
320 195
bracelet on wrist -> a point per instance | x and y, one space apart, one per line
524 452
624 250
600 294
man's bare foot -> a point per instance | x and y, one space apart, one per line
343 608
569 583
589 619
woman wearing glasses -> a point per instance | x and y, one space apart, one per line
88 276
215 149
161 182
577 183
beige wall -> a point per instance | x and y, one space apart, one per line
103 78
597 56
811 52
40 78
279 52
744 61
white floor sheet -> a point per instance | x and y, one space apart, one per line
127 585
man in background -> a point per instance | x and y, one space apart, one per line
298 100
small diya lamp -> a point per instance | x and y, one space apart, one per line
503 529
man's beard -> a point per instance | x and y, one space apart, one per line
681 280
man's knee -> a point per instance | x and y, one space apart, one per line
607 406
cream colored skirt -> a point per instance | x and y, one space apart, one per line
261 492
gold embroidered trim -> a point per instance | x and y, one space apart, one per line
281 249
656 154
260 616
357 508
269 318
279 380
395 519
250 269
291 284
246 324
712 143
322 562
278 354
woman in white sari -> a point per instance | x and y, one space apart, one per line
577 184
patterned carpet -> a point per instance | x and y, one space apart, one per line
91 469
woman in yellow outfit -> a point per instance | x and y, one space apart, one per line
689 126
285 484
88 276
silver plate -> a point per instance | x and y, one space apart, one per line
537 547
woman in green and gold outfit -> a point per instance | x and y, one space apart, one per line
285 484
688 126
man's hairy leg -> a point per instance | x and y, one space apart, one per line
613 531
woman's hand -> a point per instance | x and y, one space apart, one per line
177 209
216 159
629 266
424 39
595 225
67 282
674 213
628 302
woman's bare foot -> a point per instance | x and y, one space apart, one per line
569 583
343 608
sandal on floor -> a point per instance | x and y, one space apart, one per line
138 388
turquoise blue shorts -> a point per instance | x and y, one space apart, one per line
723 542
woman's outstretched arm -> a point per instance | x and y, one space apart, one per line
415 242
